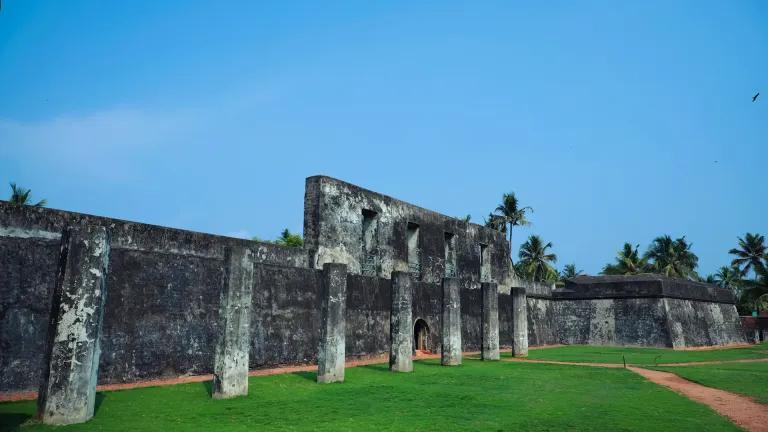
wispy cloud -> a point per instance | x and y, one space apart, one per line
107 144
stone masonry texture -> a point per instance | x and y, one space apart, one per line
451 323
230 370
401 327
330 361
162 317
490 349
68 389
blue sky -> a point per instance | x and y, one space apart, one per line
615 121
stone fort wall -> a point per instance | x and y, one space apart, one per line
161 316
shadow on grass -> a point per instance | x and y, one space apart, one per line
309 376
97 403
377 368
208 386
428 363
12 421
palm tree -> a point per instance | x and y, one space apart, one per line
672 258
496 222
569 271
628 262
20 196
727 277
750 253
535 261
512 214
754 289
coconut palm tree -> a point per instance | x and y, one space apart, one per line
569 271
754 289
750 255
496 222
628 262
512 214
727 277
20 196
535 260
672 258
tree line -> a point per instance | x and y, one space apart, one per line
746 275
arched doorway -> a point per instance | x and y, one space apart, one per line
420 336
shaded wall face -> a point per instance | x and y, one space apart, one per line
160 316
338 228
427 305
285 316
27 278
369 301
541 325
660 322
640 322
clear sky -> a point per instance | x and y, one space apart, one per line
615 121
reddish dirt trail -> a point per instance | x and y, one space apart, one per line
603 365
741 410
715 362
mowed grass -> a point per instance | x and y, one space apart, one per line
474 396
643 356
749 379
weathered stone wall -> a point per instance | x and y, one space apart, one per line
161 314
695 323
645 310
334 225
634 322
542 329
368 305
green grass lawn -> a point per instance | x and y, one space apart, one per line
750 379
643 356
475 396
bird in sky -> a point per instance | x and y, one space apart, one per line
754 98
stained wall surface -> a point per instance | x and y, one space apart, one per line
164 284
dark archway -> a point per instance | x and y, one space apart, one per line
421 336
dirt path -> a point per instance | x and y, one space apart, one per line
741 410
761 360
603 365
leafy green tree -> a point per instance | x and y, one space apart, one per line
628 262
672 258
536 260
512 214
750 255
289 239
20 196
466 218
